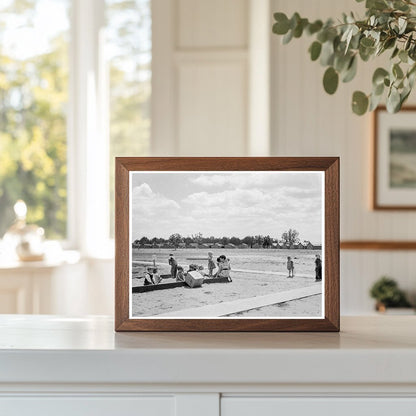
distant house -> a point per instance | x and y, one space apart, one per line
243 245
218 245
256 245
148 245
308 245
205 245
193 245
230 245
300 246
318 247
182 245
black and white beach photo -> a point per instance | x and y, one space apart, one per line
227 244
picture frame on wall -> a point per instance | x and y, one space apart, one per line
394 159
227 244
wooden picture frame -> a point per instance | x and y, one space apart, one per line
390 191
131 167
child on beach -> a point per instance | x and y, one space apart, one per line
211 264
173 266
290 267
180 277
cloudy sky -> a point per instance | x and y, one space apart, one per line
226 204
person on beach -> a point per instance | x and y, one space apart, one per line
318 268
290 267
173 266
224 268
151 277
180 276
211 264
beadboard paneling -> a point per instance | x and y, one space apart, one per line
212 106
212 24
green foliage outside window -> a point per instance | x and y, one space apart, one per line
34 104
33 99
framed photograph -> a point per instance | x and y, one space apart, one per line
394 159
227 244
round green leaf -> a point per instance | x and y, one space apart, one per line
288 37
315 50
314 27
403 56
281 27
374 102
378 90
327 54
330 80
393 101
367 42
397 71
389 43
359 103
379 75
351 71
395 52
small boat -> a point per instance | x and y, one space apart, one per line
171 285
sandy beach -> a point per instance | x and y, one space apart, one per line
244 285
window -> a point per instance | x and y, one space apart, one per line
33 101
75 87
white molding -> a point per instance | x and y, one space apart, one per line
88 165
259 78
212 55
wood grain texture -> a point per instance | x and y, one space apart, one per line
121 244
378 245
376 204
330 165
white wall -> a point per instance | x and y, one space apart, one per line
308 122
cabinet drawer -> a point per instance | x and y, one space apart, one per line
273 406
87 406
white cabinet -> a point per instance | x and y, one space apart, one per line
79 366
88 406
324 406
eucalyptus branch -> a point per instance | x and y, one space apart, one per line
388 25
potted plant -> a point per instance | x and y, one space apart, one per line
389 27
387 294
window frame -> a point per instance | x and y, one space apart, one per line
87 133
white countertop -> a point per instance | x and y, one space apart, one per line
52 349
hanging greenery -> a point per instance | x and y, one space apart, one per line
389 27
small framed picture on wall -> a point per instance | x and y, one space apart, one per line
394 159
227 244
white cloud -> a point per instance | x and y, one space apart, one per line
256 180
232 204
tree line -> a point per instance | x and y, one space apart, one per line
288 238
